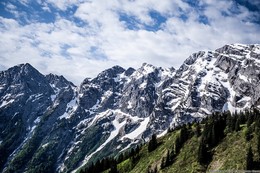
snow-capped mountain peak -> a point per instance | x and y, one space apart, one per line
75 125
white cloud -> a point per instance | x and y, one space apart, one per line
61 4
24 2
83 50
10 6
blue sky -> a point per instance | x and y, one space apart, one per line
80 38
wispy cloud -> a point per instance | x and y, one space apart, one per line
81 38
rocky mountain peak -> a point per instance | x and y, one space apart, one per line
111 72
147 68
22 69
58 81
129 71
24 78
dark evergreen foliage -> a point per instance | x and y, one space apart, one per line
111 162
184 134
198 130
177 145
113 167
249 159
250 120
230 122
203 155
237 127
152 145
168 160
11 139
182 138
248 134
213 138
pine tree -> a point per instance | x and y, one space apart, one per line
206 132
137 149
132 152
233 123
213 140
242 118
256 111
229 122
172 156
183 134
249 120
106 163
113 167
120 158
90 168
168 160
249 159
189 126
202 154
98 166
177 145
237 126
152 143
198 130
248 134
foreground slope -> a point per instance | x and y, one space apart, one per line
230 152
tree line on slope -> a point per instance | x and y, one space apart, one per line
218 125
211 130
111 162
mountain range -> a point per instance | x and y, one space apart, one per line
48 124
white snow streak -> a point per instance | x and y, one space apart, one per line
139 131
71 107
244 78
5 103
113 134
163 133
129 106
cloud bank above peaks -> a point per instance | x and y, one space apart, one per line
79 39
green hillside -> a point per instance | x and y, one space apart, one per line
221 142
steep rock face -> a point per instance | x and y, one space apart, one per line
49 116
141 92
119 104
27 98
213 81
24 84
22 102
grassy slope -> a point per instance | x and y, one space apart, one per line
186 161
154 158
229 154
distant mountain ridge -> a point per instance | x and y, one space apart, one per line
44 116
